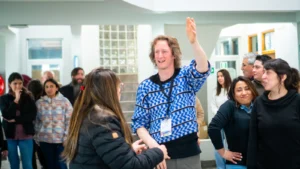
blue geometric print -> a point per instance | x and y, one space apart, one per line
152 104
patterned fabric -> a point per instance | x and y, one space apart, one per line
151 104
53 118
247 109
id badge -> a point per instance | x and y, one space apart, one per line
166 127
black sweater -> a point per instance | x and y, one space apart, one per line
99 148
235 123
27 114
275 133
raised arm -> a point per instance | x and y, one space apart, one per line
200 56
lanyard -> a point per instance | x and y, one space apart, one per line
167 96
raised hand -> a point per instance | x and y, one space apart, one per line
191 30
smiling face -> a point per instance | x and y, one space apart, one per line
163 55
242 93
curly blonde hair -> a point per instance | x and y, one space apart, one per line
173 44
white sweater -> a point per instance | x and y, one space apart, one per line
217 101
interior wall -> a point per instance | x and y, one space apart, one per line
48 32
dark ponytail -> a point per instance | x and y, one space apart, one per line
295 79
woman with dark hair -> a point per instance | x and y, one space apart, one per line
18 111
99 137
275 121
36 88
234 117
51 125
218 98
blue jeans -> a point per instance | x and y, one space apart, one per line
220 161
26 150
230 166
52 152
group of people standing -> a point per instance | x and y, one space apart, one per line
262 132
260 117
36 118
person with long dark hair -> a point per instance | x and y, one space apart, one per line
234 117
275 122
218 98
18 111
99 137
36 89
51 124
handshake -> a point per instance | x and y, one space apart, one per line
138 148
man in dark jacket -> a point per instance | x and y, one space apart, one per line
71 90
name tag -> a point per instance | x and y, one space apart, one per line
166 127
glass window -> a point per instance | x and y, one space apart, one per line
44 48
38 69
254 44
235 46
269 37
226 48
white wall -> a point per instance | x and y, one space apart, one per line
45 32
12 54
2 55
90 47
145 66
119 12
298 32
216 5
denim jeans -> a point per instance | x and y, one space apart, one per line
230 166
26 150
220 161
52 152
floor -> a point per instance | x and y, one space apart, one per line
5 165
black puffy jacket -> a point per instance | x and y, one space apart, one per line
101 145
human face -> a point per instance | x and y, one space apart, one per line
221 80
242 93
46 76
247 69
163 55
79 77
258 70
50 89
270 80
16 85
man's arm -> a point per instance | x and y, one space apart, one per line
200 56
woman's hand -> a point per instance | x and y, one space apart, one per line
10 121
232 156
138 147
17 95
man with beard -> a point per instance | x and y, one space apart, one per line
71 90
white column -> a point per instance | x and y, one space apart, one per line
90 55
